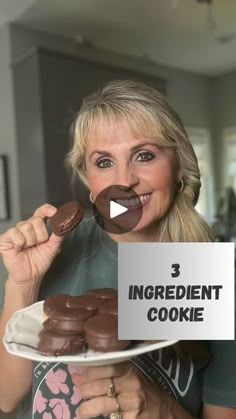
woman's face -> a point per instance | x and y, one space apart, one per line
117 157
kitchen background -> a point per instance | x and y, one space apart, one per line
53 52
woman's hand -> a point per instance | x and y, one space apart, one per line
27 250
136 395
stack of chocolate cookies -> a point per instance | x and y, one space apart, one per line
76 323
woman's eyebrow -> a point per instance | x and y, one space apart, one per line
101 152
134 148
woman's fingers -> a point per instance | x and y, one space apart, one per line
95 382
126 402
96 407
27 249
40 230
100 387
93 389
105 371
12 239
26 228
45 210
34 231
27 233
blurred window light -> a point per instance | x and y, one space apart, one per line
200 139
229 135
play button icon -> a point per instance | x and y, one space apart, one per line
118 209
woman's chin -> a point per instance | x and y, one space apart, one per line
145 227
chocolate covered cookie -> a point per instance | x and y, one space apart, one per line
66 218
90 302
106 293
56 344
109 307
101 333
69 320
77 322
53 303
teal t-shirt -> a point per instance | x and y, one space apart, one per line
89 259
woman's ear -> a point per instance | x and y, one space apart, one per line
85 168
179 174
177 169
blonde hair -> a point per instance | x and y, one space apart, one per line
148 113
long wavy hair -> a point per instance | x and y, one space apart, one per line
149 114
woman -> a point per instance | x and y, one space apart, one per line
128 135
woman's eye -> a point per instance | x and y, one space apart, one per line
145 156
104 163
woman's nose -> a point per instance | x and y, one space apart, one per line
127 176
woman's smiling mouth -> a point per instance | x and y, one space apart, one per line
133 203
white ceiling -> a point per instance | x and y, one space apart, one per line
176 33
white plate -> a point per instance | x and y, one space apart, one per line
21 339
